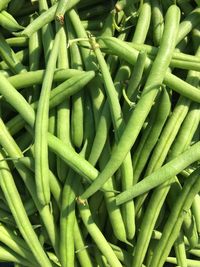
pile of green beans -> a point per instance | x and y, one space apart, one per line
100 133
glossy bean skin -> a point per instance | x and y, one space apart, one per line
139 115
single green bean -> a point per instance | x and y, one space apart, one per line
180 250
17 41
8 22
157 21
41 128
30 78
143 23
63 110
77 110
67 220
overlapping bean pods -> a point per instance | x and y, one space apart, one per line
99 133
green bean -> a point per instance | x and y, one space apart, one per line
195 212
89 127
143 23
47 32
19 213
175 220
34 45
77 114
63 110
118 123
170 169
114 212
8 22
56 97
122 255
61 9
130 56
159 195
4 4
15 99
135 78
43 19
179 59
67 220
139 115
189 262
7 255
9 57
180 251
81 249
41 128
13 150
15 243
186 131
84 168
97 236
30 78
17 41
190 22
52 124
21 56
151 134
92 24
157 21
